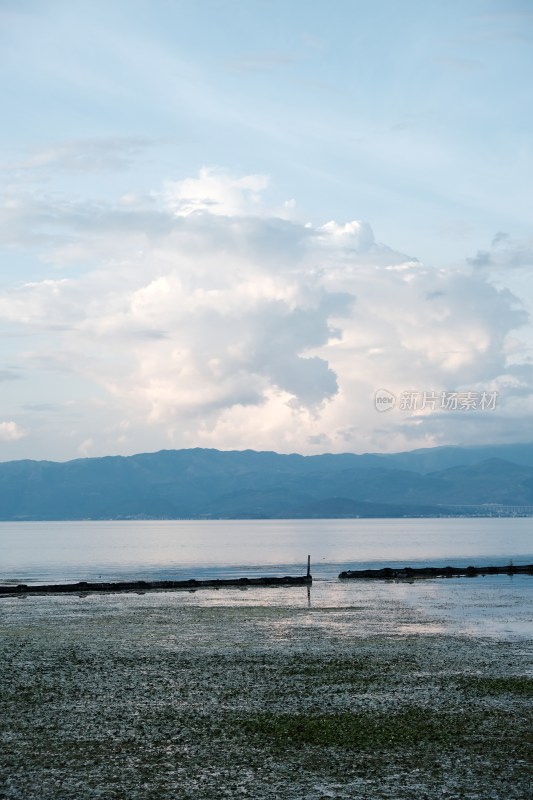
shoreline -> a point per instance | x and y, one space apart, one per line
382 574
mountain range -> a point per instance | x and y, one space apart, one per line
212 484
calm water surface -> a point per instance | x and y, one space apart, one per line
493 606
64 551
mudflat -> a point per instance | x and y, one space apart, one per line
171 695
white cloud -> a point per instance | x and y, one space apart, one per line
11 432
504 253
216 192
355 236
85 449
208 321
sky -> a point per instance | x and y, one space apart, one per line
297 226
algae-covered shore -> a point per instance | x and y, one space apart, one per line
229 694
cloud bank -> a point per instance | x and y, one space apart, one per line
199 316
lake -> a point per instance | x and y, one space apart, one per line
33 552
493 606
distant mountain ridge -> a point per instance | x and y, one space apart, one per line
209 484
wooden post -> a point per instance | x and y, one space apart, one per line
308 566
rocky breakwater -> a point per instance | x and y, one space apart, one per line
407 573
144 586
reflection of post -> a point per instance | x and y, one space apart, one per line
308 596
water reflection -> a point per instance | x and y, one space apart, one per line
497 608
70 551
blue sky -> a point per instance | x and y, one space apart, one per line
229 223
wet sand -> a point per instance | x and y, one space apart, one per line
255 694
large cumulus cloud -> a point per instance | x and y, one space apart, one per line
198 315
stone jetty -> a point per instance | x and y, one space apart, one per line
407 573
145 586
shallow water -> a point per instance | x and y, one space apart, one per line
495 607
491 606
